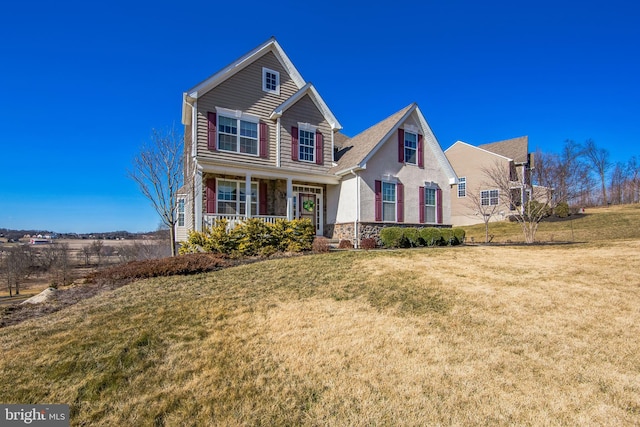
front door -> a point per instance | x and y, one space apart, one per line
308 208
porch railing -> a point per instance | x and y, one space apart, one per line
233 220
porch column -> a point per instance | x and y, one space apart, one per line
197 199
289 199
247 195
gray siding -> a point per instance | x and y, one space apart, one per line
244 92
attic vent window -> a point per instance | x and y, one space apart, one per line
271 81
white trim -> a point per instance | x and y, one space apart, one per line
460 181
307 127
315 98
319 193
197 203
404 145
395 200
241 184
278 144
240 64
266 70
237 114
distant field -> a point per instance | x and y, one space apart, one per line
479 335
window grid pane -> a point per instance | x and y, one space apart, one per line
410 147
462 187
307 145
388 201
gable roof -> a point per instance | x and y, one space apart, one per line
516 149
310 90
239 64
473 147
356 151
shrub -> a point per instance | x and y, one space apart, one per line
431 236
562 210
345 244
252 236
448 239
536 210
392 237
412 235
368 243
459 235
320 245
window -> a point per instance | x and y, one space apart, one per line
430 205
180 212
232 198
462 187
389 201
306 140
271 81
237 135
410 148
489 197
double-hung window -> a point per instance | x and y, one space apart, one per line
232 198
462 187
389 201
307 144
489 197
410 147
430 205
238 134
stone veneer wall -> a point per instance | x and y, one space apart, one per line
369 230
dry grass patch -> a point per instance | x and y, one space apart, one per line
451 336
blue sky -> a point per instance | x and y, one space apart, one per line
83 83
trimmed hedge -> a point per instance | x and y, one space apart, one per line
405 237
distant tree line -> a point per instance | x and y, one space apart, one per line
584 175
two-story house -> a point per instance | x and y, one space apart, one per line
477 192
261 142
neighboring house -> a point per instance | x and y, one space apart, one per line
261 142
475 187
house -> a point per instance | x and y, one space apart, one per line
477 193
261 142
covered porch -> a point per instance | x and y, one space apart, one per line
238 198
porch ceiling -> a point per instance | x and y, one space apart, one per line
267 172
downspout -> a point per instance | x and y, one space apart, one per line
356 234
278 142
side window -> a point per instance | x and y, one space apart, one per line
462 187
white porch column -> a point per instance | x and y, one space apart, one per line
197 199
289 198
247 195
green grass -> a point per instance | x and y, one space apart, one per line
611 223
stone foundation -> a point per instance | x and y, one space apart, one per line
366 230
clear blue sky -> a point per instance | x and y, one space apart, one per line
83 83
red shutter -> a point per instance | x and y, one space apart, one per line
294 143
439 205
211 195
211 131
262 190
399 202
319 149
421 204
378 209
401 145
264 139
420 151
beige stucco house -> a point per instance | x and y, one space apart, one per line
476 194
261 142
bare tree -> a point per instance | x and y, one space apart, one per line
158 171
483 209
599 163
17 265
528 204
97 247
633 180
